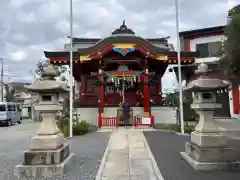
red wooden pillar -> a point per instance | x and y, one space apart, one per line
101 94
146 94
235 98
83 87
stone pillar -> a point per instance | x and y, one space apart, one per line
235 98
146 93
49 153
48 135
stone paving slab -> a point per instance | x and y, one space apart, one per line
128 157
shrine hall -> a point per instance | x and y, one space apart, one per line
122 67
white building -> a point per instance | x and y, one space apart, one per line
208 42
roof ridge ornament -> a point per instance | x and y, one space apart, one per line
123 23
123 29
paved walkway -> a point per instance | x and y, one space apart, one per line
128 157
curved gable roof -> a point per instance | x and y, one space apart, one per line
122 39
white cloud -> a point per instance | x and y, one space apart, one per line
20 37
27 17
18 55
29 26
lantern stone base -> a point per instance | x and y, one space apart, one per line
208 151
211 166
208 139
51 141
45 163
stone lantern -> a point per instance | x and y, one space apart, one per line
49 153
207 149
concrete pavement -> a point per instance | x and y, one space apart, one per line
166 148
89 150
128 157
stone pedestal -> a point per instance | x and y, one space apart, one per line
49 153
208 151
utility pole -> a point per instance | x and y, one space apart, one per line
2 84
71 72
179 67
123 88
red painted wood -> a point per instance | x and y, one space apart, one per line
235 97
108 121
99 121
153 121
83 87
102 101
100 52
136 123
146 95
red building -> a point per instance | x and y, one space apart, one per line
121 66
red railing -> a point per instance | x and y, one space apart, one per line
107 121
139 122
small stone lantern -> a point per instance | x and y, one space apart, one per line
49 153
207 149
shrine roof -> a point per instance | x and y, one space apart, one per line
59 54
77 40
122 39
49 54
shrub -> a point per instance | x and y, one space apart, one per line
79 127
65 131
177 128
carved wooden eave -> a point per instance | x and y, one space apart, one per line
149 51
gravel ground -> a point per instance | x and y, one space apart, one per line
88 150
166 148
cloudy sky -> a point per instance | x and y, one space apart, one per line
27 27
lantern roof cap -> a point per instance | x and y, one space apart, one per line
204 82
48 81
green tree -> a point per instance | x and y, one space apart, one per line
172 99
230 59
